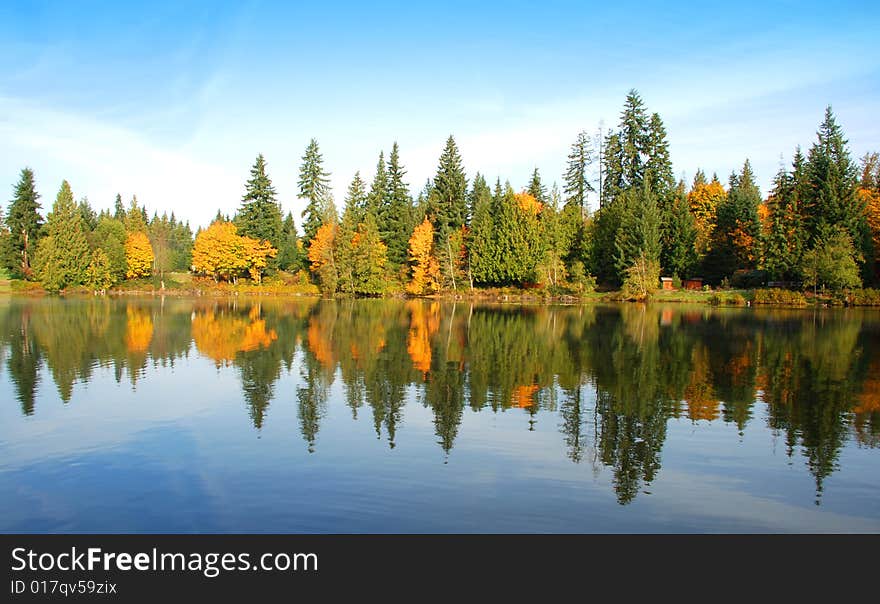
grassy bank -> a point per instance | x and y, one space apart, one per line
185 284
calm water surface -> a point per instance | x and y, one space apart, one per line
389 416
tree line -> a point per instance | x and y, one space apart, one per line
818 226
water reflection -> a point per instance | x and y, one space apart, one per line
612 378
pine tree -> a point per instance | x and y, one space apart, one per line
447 205
633 138
118 208
344 242
313 187
24 222
260 216
63 255
639 234
394 222
481 250
536 188
679 231
356 198
612 166
88 215
736 237
291 256
658 166
379 188
134 217
577 180
370 256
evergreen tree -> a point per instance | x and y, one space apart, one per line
260 216
109 237
291 256
24 222
633 139
639 234
379 188
313 187
577 180
612 166
356 198
134 217
536 188
63 255
369 259
88 215
658 166
679 236
447 204
736 237
482 255
344 242
118 208
395 223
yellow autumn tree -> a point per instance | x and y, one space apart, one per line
138 255
221 252
871 199
704 200
425 268
321 260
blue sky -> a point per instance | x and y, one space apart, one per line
173 101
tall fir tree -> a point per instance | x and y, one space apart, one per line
577 179
356 198
260 215
639 233
24 223
63 255
737 234
536 188
481 249
118 208
314 187
291 256
395 223
447 204
379 187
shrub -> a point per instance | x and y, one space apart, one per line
780 296
858 297
641 278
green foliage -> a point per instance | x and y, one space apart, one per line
536 188
784 297
63 254
832 262
98 273
109 237
582 281
577 179
24 223
858 297
259 216
394 218
369 256
447 202
641 278
639 232
314 188
291 256
679 235
736 238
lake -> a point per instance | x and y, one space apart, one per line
306 415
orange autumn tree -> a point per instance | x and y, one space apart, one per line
871 201
321 257
138 256
425 268
221 252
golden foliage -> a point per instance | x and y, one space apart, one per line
138 329
528 204
321 247
222 253
699 394
424 323
426 269
222 336
871 199
138 255
704 200
319 343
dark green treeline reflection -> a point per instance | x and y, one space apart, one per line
610 377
